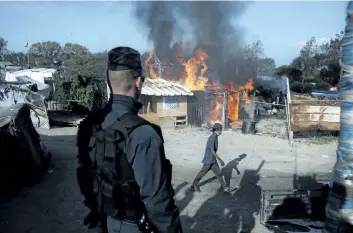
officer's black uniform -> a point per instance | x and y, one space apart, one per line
145 151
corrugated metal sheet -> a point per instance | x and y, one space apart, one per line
313 117
161 87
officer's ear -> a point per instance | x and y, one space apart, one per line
139 82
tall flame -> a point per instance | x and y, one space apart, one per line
194 69
150 67
214 113
233 102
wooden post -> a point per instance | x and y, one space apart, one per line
225 109
287 107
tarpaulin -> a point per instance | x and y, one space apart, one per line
23 158
27 92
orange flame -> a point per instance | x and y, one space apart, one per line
214 113
194 69
150 67
234 94
233 104
246 89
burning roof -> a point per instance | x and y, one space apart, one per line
161 87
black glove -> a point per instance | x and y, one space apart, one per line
93 219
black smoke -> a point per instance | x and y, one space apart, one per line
211 26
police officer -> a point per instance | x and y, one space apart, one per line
144 151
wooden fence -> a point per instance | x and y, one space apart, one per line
314 115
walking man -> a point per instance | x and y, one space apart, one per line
210 160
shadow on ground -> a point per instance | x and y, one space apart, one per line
226 213
227 170
54 205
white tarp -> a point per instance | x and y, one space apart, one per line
43 89
38 75
11 94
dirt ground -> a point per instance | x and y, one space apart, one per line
55 205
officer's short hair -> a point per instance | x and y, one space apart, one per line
122 80
124 66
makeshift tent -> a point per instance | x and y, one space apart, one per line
39 74
33 94
23 158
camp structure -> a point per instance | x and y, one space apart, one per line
23 158
30 92
165 102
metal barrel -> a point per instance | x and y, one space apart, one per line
339 208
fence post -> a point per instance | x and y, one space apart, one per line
225 110
287 106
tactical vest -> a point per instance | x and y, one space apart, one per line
114 181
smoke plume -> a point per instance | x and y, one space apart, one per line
211 26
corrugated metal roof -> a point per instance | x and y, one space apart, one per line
161 87
3 64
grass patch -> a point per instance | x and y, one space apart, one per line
302 97
321 140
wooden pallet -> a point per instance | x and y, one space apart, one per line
180 121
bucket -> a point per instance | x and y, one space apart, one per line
248 127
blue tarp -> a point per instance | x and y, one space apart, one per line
328 94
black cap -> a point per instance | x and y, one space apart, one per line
124 58
217 126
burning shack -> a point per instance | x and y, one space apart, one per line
211 102
165 102
230 106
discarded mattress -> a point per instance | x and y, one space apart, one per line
14 93
23 158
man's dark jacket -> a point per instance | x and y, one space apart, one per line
145 151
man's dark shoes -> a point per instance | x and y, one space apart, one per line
195 188
229 189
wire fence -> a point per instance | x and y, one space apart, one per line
271 119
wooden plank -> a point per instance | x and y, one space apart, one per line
309 117
316 109
308 126
312 117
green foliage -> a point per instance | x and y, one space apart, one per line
267 66
294 74
323 86
83 80
316 63
301 87
18 59
43 54
3 48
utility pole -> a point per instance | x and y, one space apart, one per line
27 53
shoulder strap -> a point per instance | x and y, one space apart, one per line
132 121
127 123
